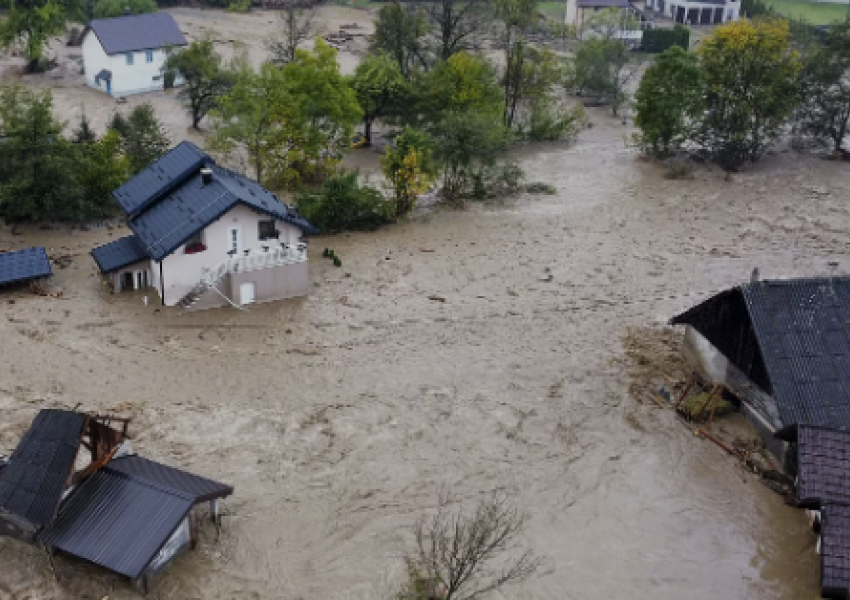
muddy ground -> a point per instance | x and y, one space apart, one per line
340 416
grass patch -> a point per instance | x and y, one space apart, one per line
816 13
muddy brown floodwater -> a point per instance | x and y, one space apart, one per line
338 417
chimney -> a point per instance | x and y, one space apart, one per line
206 175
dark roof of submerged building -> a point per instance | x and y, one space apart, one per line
32 483
792 337
121 516
118 254
132 33
23 265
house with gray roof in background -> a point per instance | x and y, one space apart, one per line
204 236
124 55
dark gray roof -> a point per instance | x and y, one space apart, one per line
823 466
161 177
173 480
121 516
31 485
117 521
835 551
120 253
166 225
22 265
796 343
131 33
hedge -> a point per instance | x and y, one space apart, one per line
658 40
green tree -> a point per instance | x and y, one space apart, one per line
296 26
204 78
517 17
143 137
603 68
669 101
399 33
452 23
824 111
290 124
104 9
409 167
31 22
379 86
342 204
463 82
751 89
99 168
467 144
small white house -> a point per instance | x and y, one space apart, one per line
124 55
696 12
204 236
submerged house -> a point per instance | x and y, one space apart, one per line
783 347
123 512
204 236
125 55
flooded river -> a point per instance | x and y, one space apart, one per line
339 417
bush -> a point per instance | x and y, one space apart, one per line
658 40
343 204
239 6
550 121
539 187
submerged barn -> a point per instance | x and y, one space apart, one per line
784 348
204 236
123 512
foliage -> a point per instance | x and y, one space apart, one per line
658 40
290 123
464 555
409 167
463 82
669 102
399 33
608 24
603 68
31 22
516 17
204 78
342 204
549 119
824 111
751 89
452 24
379 86
467 143
143 138
239 6
297 25
46 177
104 9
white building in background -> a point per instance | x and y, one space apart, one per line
124 55
696 12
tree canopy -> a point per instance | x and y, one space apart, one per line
205 80
31 22
104 9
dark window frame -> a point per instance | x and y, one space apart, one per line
267 230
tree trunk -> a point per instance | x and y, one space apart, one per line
367 131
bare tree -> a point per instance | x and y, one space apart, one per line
454 23
297 25
462 556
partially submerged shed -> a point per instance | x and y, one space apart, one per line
121 511
24 265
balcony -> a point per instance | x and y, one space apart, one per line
273 256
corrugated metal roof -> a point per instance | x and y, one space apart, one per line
199 489
161 177
21 265
31 485
131 33
120 253
117 521
835 551
193 205
823 466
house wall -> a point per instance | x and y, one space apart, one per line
141 76
181 271
276 283
143 265
731 11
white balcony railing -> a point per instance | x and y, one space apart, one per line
254 261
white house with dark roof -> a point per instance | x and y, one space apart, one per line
696 12
204 236
124 55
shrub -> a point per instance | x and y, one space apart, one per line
549 121
343 204
538 187
239 6
658 40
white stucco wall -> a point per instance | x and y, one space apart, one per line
141 76
181 271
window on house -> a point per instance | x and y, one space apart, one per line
195 244
266 230
149 55
129 56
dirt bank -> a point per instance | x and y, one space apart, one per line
338 416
